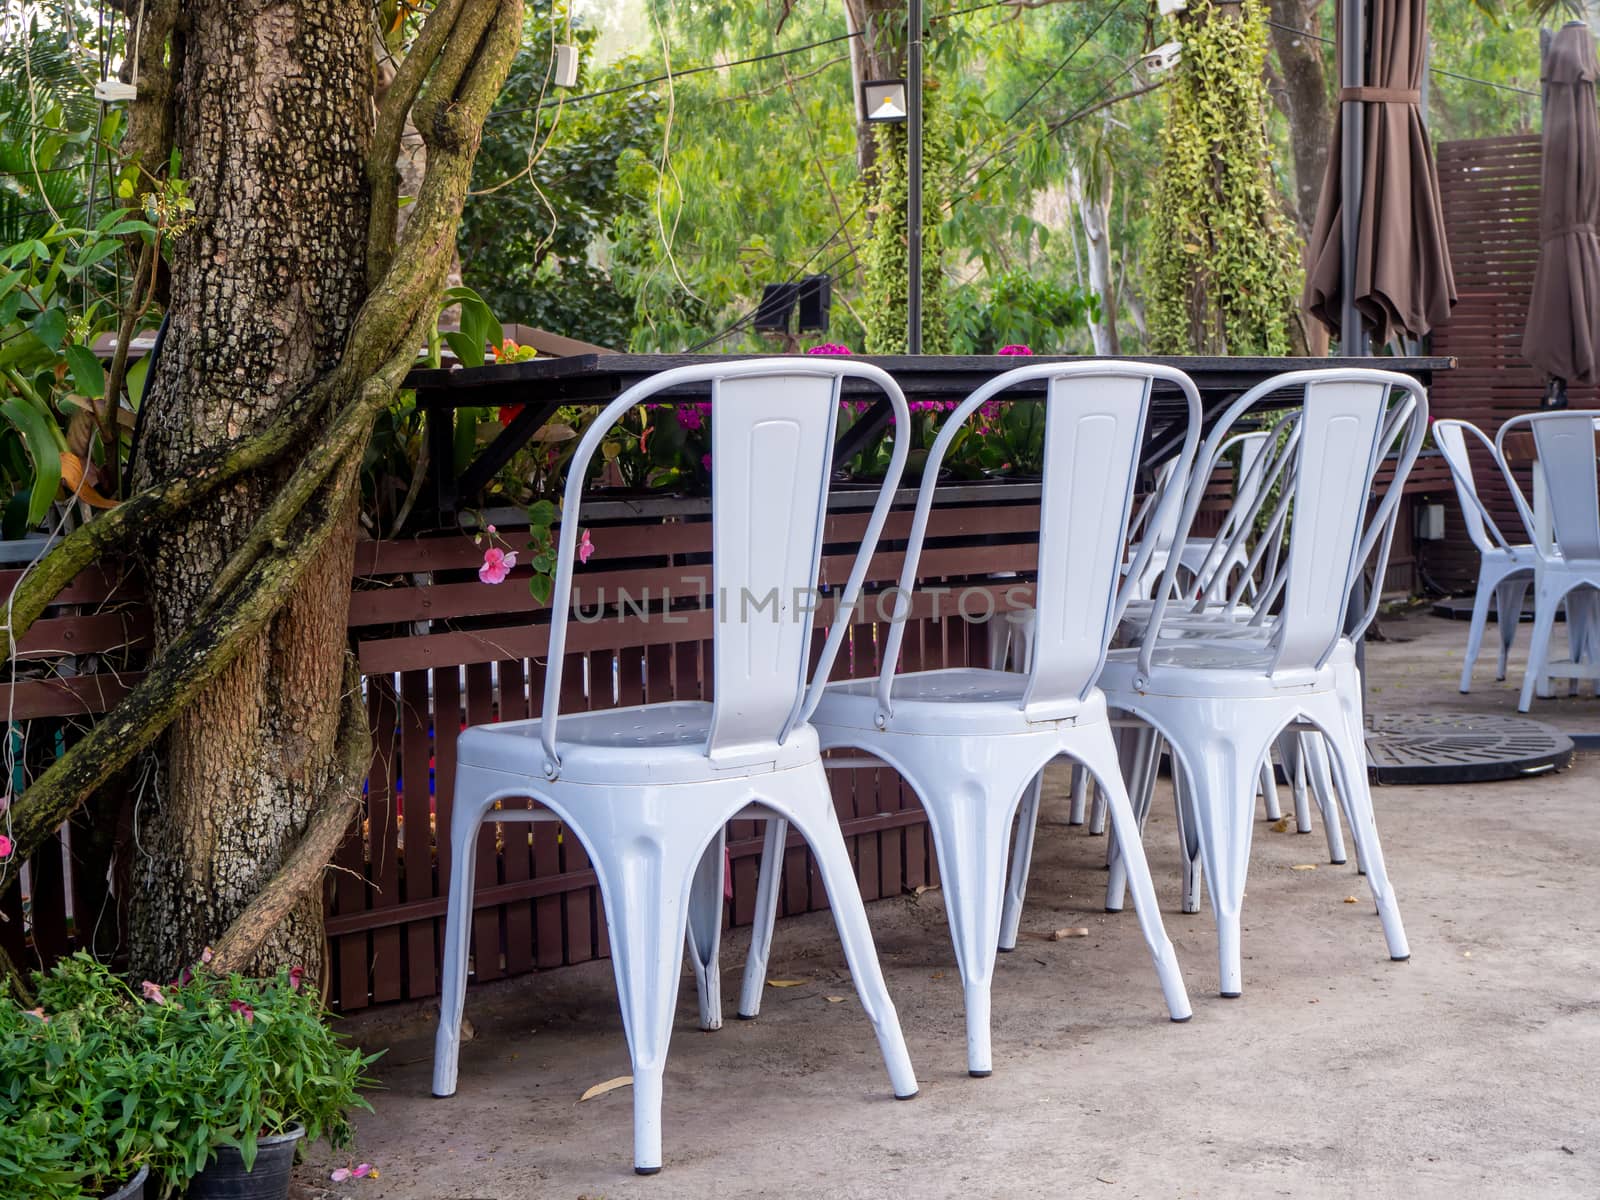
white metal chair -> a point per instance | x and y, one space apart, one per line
970 741
1221 696
649 789
1505 571
1564 442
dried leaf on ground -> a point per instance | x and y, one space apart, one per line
610 1085
834 999
1304 867
1351 900
1281 825
1069 932
787 982
924 887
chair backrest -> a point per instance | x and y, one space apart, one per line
1327 464
1565 444
772 431
1451 435
1241 514
1095 416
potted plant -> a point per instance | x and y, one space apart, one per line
211 1082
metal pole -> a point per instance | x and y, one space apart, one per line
1352 74
914 181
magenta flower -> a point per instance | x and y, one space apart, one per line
1014 350
497 565
6 846
361 1171
153 992
705 462
243 1009
296 974
829 348
585 548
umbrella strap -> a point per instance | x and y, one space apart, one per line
1381 95
1563 230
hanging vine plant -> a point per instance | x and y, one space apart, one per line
884 263
1224 261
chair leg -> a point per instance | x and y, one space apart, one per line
1546 601
1021 864
1480 618
1223 778
1509 596
1269 790
1097 802
1294 766
1080 795
705 931
1350 761
643 883
1140 766
766 915
1100 758
850 916
1316 755
1188 839
470 806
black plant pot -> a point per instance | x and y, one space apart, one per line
226 1179
133 1189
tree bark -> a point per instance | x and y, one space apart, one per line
274 120
1092 194
1304 100
879 53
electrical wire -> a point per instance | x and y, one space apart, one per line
1488 83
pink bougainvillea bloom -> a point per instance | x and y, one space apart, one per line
206 955
829 348
243 1009
1014 350
491 529
153 992
6 846
497 565
340 1174
363 1170
705 462
296 974
585 547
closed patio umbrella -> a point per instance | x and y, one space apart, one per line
1563 331
1399 272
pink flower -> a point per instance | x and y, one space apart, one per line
491 529
497 565
243 1009
206 955
361 1171
153 992
705 462
37 1012
829 348
6 846
585 547
693 416
340 1174
296 974
1014 350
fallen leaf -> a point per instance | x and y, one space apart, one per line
834 999
1304 867
924 887
1281 825
787 982
937 975
610 1085
1104 1178
1351 900
1070 932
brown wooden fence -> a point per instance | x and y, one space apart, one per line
1490 191
438 649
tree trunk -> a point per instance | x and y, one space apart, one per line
879 53
1092 194
274 120
1304 100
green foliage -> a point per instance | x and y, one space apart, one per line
887 282
1224 261
534 238
1038 309
98 1080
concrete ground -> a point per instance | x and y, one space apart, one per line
1471 1071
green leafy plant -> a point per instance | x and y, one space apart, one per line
164 1076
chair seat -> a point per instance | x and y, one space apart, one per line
643 744
1208 669
954 700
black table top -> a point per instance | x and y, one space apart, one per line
580 378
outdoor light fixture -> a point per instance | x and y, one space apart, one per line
884 100
1163 58
566 73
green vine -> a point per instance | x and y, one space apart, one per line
1225 266
884 259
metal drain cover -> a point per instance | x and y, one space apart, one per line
1460 748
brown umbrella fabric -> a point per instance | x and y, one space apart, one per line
1563 332
1403 282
